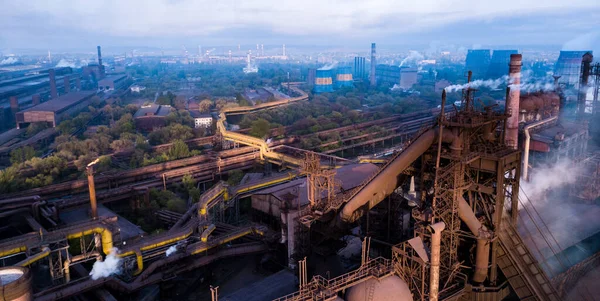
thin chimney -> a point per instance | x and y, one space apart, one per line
583 84
53 91
512 103
373 65
67 84
14 103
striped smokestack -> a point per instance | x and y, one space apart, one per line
373 64
512 103
53 91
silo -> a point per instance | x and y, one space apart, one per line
15 284
324 80
344 77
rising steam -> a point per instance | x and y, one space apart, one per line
329 66
549 177
111 265
171 250
528 84
490 83
413 56
9 61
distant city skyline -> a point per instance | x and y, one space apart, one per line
77 25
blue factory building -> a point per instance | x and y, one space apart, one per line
324 80
344 77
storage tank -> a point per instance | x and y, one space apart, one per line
344 77
391 288
15 284
324 80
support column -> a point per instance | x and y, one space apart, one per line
497 219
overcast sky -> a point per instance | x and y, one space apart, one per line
61 24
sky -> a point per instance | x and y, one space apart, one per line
82 24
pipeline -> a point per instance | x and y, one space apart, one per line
482 255
207 232
528 140
31 259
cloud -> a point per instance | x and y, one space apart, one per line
203 18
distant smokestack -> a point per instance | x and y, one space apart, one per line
78 83
373 64
52 75
35 99
100 66
283 49
583 83
67 84
512 103
14 103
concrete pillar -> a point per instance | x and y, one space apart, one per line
53 91
67 84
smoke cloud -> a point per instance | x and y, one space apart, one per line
330 66
413 57
111 265
490 83
9 60
72 64
549 177
171 250
587 41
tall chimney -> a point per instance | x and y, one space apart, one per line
67 84
583 83
512 103
373 64
14 103
52 75
434 275
92 188
100 66
35 99
283 49
78 83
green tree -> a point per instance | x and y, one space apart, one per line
22 154
234 177
205 105
260 128
178 150
188 182
8 180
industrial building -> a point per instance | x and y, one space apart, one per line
324 80
201 120
343 77
408 77
498 63
113 82
311 77
568 67
55 110
478 62
151 116
388 74
359 71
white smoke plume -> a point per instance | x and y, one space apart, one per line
413 56
171 250
548 177
9 60
490 83
111 265
330 66
72 64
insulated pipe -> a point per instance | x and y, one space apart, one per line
90 176
31 259
206 233
527 142
107 237
482 255
512 103
434 275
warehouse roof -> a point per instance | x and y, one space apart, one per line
112 78
153 110
62 102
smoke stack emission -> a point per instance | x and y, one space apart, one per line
100 66
511 137
35 99
52 75
373 64
583 84
67 84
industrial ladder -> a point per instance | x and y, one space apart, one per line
523 272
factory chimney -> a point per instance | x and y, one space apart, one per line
583 83
434 275
35 99
78 83
511 137
53 91
283 49
67 84
14 103
373 64
100 66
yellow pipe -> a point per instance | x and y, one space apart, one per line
106 235
168 241
140 262
29 260
13 251
207 232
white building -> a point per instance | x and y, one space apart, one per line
201 120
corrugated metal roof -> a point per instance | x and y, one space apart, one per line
153 110
62 102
